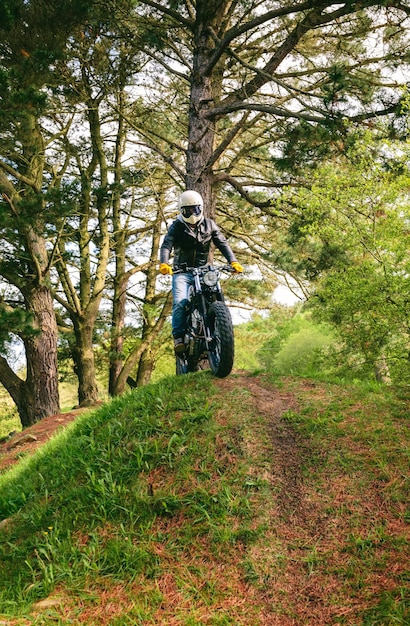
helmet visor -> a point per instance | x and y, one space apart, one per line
194 209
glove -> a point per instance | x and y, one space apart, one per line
164 268
237 267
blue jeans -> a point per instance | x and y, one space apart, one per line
180 292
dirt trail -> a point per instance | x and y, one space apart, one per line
308 569
286 447
298 530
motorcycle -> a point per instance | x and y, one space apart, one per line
209 337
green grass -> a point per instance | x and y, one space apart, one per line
96 501
9 420
176 505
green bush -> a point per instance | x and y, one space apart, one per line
300 346
302 353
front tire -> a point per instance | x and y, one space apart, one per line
221 351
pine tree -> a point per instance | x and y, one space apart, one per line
28 49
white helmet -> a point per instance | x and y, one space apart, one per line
191 206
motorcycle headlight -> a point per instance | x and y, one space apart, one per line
211 278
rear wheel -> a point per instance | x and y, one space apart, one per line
221 351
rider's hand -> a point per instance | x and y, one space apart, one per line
237 267
164 268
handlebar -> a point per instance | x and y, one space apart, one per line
204 268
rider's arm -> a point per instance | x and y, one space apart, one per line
167 244
221 243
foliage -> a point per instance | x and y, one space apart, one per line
252 335
304 353
14 321
299 347
351 234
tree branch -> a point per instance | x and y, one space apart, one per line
264 108
171 70
249 106
242 192
315 18
170 12
230 136
23 179
258 21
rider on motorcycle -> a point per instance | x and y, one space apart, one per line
190 236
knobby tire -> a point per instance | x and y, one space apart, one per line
221 354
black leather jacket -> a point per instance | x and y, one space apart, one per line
191 243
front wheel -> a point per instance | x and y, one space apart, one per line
221 350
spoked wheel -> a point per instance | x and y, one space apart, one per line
221 352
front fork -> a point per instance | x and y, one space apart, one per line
203 310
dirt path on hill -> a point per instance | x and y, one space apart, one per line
287 450
287 576
285 446
308 569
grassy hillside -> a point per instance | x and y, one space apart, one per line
198 501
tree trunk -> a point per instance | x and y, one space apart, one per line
382 371
135 356
84 364
145 367
150 312
119 237
201 131
36 397
117 337
41 356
